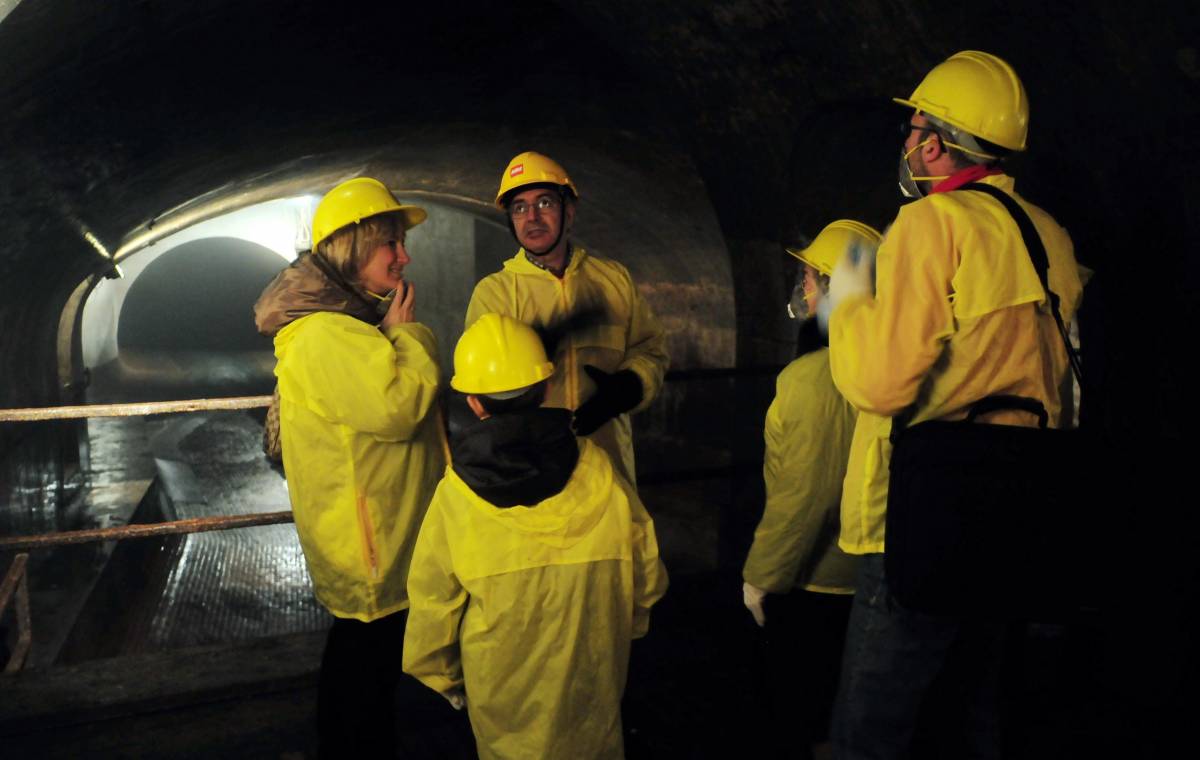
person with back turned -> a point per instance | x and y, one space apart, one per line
958 314
798 583
535 568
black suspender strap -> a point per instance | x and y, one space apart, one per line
1041 262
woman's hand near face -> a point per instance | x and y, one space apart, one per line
403 308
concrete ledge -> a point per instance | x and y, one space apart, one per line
34 700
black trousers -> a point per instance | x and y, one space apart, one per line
804 635
356 694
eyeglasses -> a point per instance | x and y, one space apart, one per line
907 127
545 203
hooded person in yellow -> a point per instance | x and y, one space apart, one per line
798 583
535 567
362 444
608 348
958 314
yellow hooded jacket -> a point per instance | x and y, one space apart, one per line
958 314
593 315
363 450
807 432
532 609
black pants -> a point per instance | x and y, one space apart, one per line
356 694
804 636
916 685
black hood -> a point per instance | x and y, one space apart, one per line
519 457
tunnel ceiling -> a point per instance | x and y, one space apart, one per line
116 112
133 108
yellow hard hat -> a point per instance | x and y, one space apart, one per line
497 354
531 168
838 237
357 199
978 93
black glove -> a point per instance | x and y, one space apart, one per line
615 394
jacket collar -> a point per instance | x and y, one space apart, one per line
964 176
305 288
520 264
516 458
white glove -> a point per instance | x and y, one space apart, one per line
824 309
752 597
457 698
854 275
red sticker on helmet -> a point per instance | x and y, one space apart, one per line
518 169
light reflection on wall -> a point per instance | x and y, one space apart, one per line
7 7
282 226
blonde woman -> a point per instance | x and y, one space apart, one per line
362 445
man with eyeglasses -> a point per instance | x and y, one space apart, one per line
958 314
608 349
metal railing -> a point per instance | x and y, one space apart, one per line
172 527
36 414
16 581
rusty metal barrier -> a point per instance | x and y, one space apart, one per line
15 580
233 403
35 414
147 530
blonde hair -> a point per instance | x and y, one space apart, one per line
349 248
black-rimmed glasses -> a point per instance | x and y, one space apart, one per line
519 209
906 127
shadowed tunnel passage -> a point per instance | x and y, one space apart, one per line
197 296
183 331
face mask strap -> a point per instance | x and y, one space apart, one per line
917 147
949 144
799 306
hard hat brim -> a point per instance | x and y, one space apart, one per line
413 215
478 386
1018 148
797 253
940 117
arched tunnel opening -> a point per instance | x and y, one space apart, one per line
161 165
186 308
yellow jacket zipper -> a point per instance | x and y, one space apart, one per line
364 522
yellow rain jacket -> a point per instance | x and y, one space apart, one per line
363 451
958 314
807 434
593 315
532 609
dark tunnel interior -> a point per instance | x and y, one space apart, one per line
140 139
175 302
